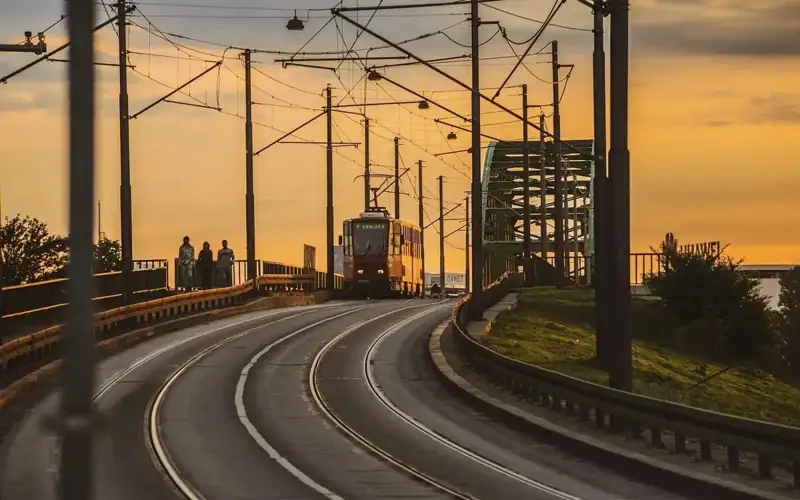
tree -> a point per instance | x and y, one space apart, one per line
708 288
107 256
789 316
29 251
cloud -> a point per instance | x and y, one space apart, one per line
782 108
722 27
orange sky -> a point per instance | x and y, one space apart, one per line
713 130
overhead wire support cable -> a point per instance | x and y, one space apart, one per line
55 51
178 89
556 6
409 6
449 77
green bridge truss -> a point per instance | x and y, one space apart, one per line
503 184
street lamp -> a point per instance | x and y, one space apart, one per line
452 136
374 76
424 105
295 24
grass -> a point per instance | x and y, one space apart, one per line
552 328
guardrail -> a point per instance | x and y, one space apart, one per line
605 406
47 342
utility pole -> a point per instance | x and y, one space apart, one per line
125 195
621 373
466 244
559 186
526 193
603 293
397 177
441 234
542 187
421 208
329 190
477 195
75 423
99 225
366 163
250 203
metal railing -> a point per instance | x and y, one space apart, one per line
29 349
603 405
643 265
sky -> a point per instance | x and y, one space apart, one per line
714 119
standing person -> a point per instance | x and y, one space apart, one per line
205 265
186 264
225 260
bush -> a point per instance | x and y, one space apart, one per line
708 288
789 317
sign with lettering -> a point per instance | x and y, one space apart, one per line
709 248
369 226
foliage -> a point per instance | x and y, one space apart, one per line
708 288
30 252
107 256
789 317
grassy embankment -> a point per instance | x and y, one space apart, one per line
552 328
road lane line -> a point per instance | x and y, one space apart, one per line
358 438
154 428
369 373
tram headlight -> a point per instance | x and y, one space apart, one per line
360 271
380 271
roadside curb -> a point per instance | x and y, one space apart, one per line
625 462
115 345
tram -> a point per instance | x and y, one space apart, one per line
382 256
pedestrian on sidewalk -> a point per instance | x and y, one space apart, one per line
225 260
185 265
205 265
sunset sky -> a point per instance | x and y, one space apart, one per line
714 120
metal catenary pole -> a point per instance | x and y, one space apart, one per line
466 244
75 426
542 188
329 190
477 195
526 192
125 195
600 199
367 193
250 206
421 215
397 177
621 375
441 234
558 209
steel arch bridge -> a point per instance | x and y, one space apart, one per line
503 184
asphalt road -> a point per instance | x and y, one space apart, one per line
497 462
233 415
123 465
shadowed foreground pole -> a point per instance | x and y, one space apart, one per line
621 373
250 197
75 478
526 193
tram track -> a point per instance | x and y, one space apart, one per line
375 390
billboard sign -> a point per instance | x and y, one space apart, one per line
309 257
338 259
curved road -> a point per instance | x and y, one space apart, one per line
227 411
